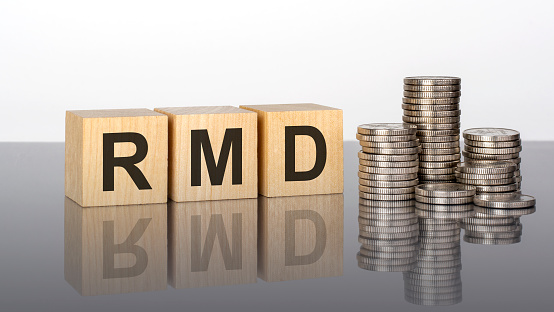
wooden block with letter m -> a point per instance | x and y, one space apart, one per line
212 153
116 157
300 149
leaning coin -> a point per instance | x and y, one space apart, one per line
387 177
496 188
453 144
492 241
443 126
506 201
437 171
386 129
499 144
493 151
485 182
390 151
440 158
386 197
434 88
494 167
432 133
430 106
438 164
386 190
491 134
389 164
503 211
432 95
444 207
432 113
412 143
380 170
376 157
445 190
475 176
489 156
385 138
374 183
384 204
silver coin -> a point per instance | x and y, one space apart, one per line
435 290
492 241
438 164
388 229
412 143
440 151
368 211
417 104
495 167
434 297
513 234
515 161
391 151
432 283
491 134
480 215
436 271
444 215
437 133
439 139
504 200
432 277
439 158
387 242
424 221
489 228
437 177
489 156
381 170
387 177
428 233
438 264
438 240
488 221
444 207
432 88
376 157
437 170
385 268
493 144
386 129
386 190
438 258
386 216
386 197
432 95
503 211
380 261
385 138
387 223
432 113
496 188
388 236
453 144
431 120
412 248
486 182
440 252
438 227
492 151
443 126
445 190
389 164
387 255
422 302
374 183
382 204
475 176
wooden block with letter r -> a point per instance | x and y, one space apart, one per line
116 157
300 149
212 153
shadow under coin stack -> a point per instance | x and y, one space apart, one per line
436 279
486 145
500 214
388 174
432 104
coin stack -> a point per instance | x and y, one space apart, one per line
444 200
388 175
488 177
432 105
486 145
388 234
497 218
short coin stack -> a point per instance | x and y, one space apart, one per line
444 200
488 177
485 145
432 105
497 218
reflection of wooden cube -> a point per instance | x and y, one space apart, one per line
115 249
212 153
212 243
300 237
116 157
300 149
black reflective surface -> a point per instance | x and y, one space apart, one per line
509 277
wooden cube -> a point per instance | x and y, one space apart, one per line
116 157
212 243
300 149
115 249
212 153
300 237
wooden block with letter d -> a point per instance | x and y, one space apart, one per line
212 153
116 157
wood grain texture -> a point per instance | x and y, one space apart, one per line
216 120
85 242
272 120
300 237
232 262
84 156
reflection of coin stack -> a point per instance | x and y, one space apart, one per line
432 104
436 279
496 221
485 145
388 175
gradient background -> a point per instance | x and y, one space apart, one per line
61 55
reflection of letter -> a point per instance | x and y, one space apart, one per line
200 258
290 237
128 246
290 153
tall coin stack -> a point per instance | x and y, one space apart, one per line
388 168
432 105
485 145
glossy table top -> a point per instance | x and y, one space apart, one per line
311 275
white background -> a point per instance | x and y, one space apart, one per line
64 55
